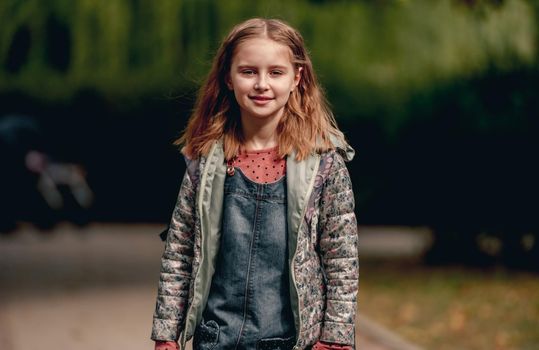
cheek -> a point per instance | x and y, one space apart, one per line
241 85
241 92
238 96
285 89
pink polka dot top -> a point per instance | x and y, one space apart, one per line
261 166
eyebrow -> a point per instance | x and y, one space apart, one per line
244 66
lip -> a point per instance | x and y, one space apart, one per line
260 98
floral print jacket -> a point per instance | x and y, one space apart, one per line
323 248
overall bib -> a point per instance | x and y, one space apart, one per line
249 302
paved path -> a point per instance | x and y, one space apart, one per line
94 289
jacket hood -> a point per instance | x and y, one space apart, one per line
343 148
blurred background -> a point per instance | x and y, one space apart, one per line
438 97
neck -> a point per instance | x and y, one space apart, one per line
260 133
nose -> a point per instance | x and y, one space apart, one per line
261 83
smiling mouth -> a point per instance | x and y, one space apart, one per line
260 98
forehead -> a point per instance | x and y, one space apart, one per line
262 51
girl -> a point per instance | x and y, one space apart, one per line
261 252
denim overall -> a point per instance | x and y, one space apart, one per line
249 302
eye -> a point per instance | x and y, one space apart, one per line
276 72
248 72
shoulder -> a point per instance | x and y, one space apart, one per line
333 175
331 161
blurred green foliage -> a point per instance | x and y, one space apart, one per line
370 55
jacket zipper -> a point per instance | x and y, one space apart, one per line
200 194
307 197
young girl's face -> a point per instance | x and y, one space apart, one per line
262 77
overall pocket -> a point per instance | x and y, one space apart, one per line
276 343
206 335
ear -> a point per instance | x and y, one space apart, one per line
229 83
297 78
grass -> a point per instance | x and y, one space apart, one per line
452 307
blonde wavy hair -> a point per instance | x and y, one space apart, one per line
307 124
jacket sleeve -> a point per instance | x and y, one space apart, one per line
339 254
176 264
